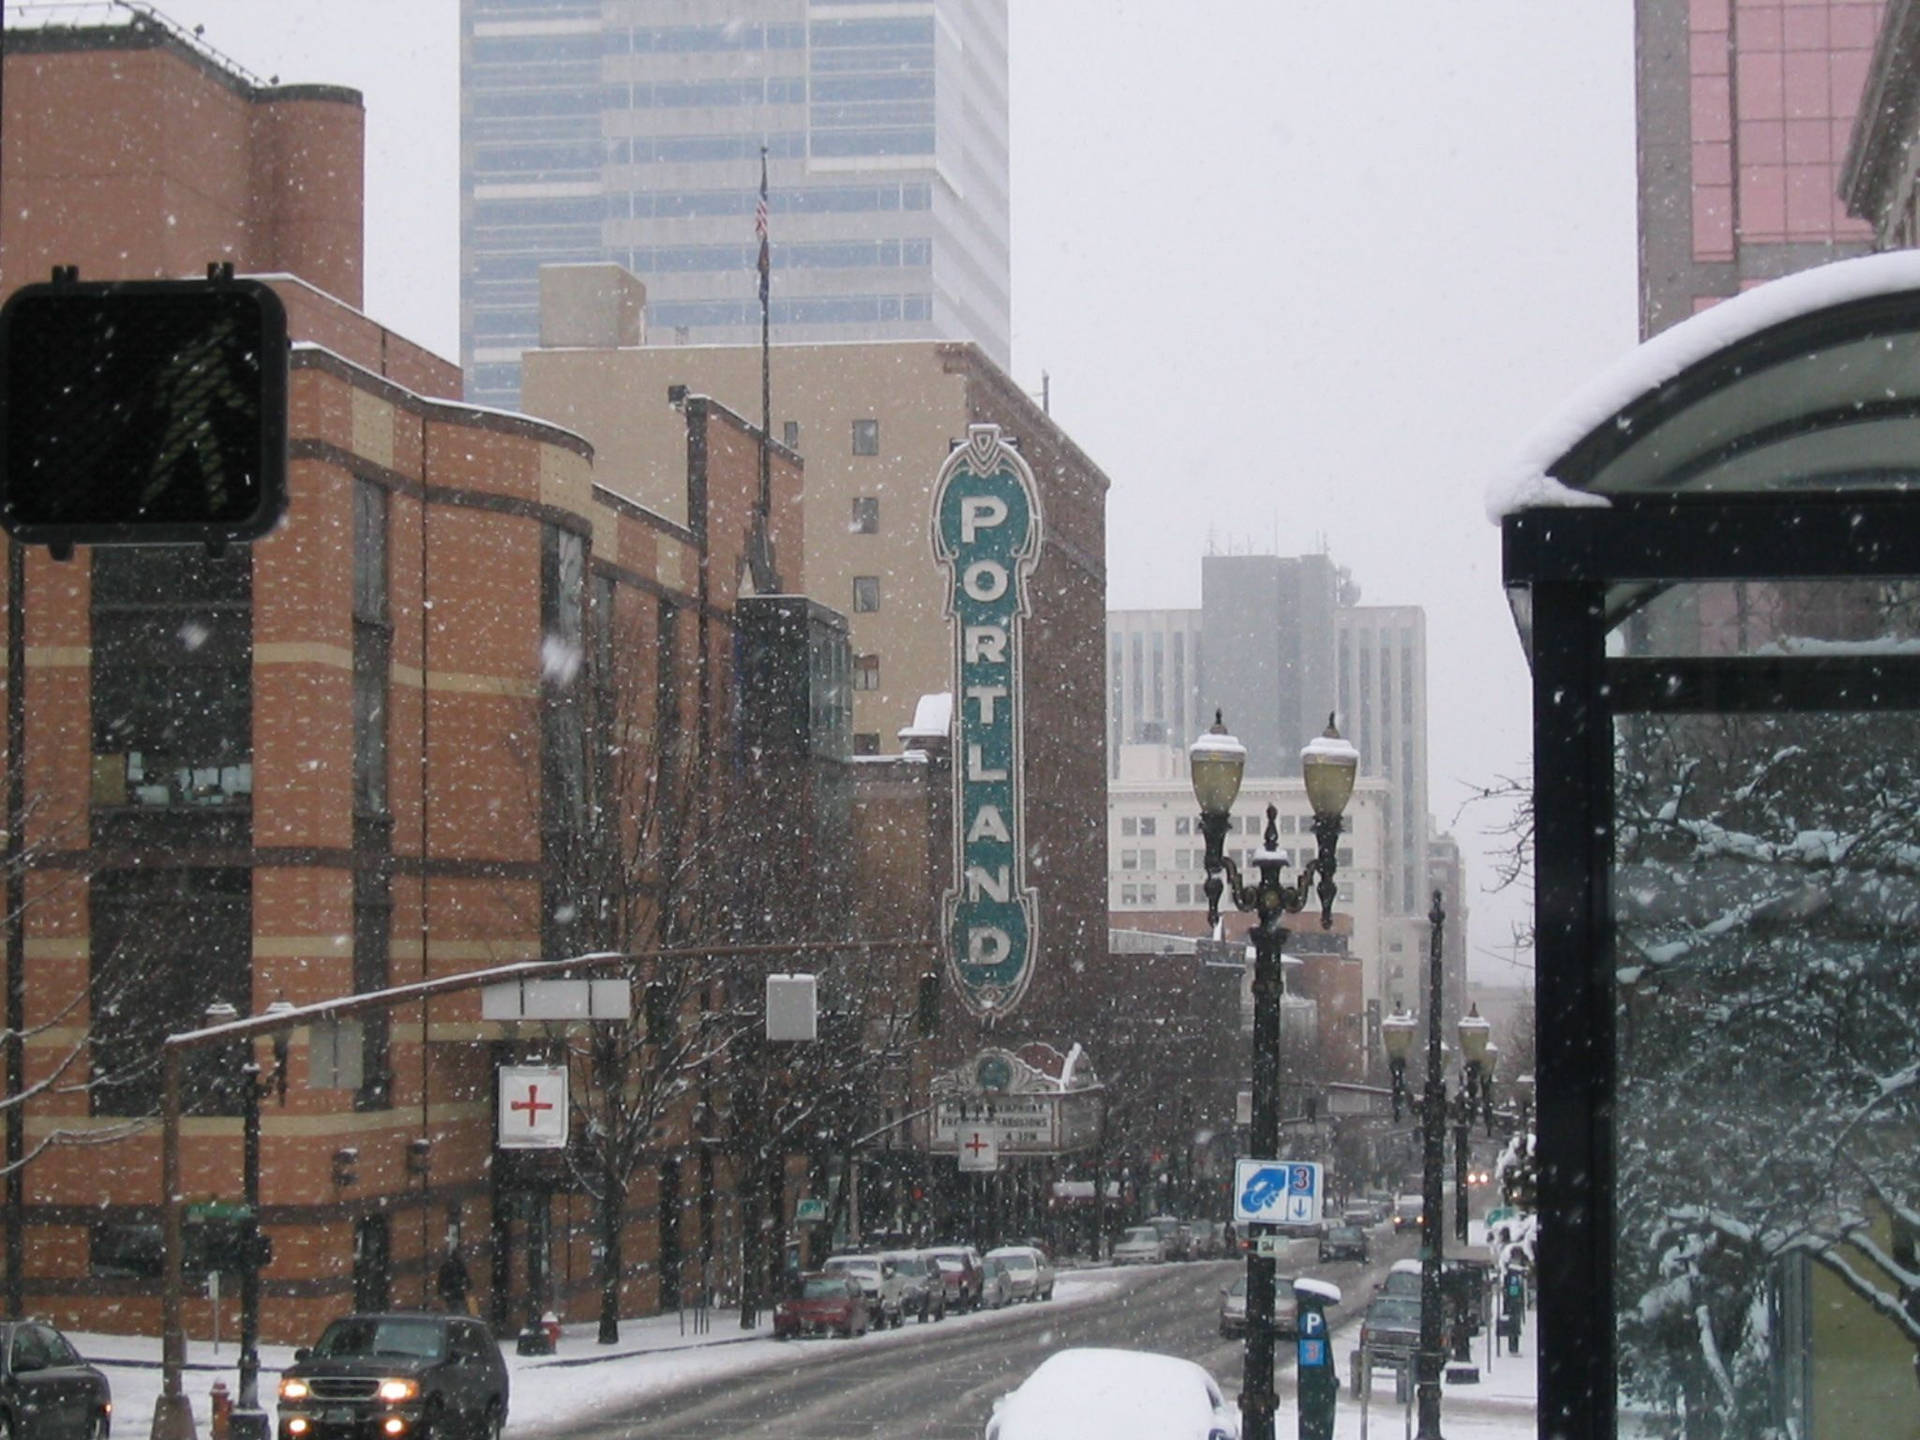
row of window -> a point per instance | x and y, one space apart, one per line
1254 824
807 310
513 163
1142 859
1146 895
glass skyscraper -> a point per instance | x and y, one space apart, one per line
631 130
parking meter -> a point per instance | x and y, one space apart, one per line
1319 1382
1513 1307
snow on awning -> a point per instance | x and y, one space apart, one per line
1807 382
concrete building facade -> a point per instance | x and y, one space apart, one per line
632 131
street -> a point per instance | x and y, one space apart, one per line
945 1382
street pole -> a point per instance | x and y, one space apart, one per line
1433 1105
1258 1402
248 1421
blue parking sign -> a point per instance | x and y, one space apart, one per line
1276 1192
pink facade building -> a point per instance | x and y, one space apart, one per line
1745 111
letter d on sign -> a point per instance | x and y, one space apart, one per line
987 945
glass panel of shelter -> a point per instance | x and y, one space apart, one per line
1765 905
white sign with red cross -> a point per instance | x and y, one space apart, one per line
533 1107
979 1147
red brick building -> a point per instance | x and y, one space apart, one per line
366 750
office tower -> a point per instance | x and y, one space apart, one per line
1269 628
632 131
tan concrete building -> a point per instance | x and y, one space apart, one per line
873 421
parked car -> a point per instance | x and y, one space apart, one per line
1390 1332
1233 1307
1403 1278
1141 1245
1407 1211
996 1284
1344 1242
396 1374
885 1286
1175 1239
1115 1395
47 1392
926 1292
959 1267
1030 1270
821 1304
1209 1240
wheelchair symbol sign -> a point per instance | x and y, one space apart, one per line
1276 1192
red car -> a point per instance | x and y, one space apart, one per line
819 1304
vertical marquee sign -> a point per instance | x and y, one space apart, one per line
986 531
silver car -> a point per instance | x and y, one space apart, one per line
1141 1245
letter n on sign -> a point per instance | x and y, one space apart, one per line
533 1107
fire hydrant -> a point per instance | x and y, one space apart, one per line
221 1404
550 1323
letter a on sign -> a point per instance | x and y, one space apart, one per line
986 532
533 1107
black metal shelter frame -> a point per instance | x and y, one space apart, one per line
1569 560
1792 454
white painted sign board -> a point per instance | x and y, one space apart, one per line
1276 1192
979 1148
533 1107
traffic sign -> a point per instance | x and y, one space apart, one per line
1276 1192
979 1148
533 1107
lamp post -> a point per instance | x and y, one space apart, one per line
1475 1095
1217 762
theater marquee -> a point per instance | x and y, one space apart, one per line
986 532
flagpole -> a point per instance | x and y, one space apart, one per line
765 580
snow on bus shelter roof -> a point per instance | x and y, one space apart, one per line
1807 382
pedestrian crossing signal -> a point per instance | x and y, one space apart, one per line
142 411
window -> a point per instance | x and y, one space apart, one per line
866 437
866 672
372 648
1149 895
1148 860
1129 859
790 434
1183 825
1129 894
1129 825
1345 855
1183 894
866 742
1286 824
866 594
1146 824
866 515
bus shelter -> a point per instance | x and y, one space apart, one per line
1713 560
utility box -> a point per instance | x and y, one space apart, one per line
792 1008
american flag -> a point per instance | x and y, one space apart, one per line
760 225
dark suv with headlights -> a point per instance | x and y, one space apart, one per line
401 1376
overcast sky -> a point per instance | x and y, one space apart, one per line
1301 274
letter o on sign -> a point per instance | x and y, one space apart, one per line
985 580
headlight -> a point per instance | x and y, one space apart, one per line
393 1391
293 1389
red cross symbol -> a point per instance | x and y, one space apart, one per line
533 1105
976 1145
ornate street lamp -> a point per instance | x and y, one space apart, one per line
1217 762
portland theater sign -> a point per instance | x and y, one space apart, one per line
986 532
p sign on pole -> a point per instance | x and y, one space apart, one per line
1276 1192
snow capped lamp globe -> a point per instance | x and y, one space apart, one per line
1216 762
1476 1049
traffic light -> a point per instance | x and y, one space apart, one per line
929 1008
142 411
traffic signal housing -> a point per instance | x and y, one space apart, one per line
142 411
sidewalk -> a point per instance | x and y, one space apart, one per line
1502 1406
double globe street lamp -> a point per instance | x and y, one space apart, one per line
1397 1033
1217 763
